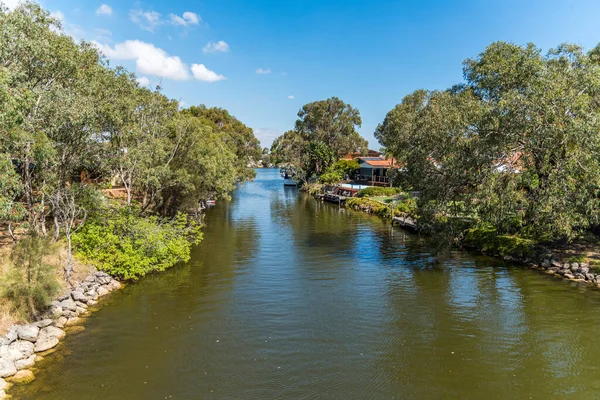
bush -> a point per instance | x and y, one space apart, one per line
127 245
331 177
379 191
406 207
30 283
369 206
486 239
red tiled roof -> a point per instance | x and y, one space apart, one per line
379 162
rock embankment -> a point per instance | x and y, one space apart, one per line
19 346
577 272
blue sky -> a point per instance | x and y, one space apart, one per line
368 53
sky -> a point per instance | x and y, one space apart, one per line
263 59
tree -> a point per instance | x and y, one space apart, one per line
333 123
238 137
516 147
70 215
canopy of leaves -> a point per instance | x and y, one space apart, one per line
516 147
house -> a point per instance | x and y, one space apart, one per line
374 170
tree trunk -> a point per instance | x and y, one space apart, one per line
69 267
11 233
56 229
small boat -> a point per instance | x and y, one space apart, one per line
211 202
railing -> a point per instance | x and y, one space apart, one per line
373 179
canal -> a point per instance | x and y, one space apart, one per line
288 298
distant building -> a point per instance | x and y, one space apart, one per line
374 170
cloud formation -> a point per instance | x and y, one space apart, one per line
11 4
291 97
188 18
104 9
214 47
204 74
149 60
147 20
143 81
263 71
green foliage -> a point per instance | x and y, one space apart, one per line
238 138
378 191
486 239
30 282
331 177
406 207
333 123
339 170
127 245
580 258
516 147
324 131
369 206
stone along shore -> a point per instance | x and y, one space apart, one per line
24 345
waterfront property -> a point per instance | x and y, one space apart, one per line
374 170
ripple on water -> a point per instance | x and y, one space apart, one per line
290 298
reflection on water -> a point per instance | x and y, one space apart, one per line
289 298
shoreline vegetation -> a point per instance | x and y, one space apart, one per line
506 162
103 179
570 262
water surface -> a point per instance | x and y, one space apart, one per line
288 298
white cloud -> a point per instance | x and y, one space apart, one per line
204 74
59 16
188 18
104 9
263 71
213 47
147 20
266 135
291 97
103 35
11 4
143 81
149 60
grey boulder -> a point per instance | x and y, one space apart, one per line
45 343
28 332
7 368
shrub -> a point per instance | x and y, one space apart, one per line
486 239
379 191
369 206
30 283
331 177
127 245
336 172
406 207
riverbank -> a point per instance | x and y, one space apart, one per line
568 263
26 344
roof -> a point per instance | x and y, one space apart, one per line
378 161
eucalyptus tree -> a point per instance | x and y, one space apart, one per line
516 145
332 122
201 167
237 136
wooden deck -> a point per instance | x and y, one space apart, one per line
405 222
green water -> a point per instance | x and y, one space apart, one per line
288 298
